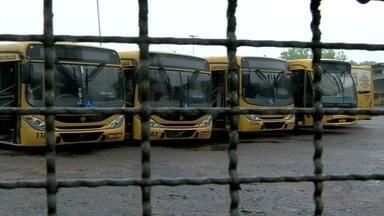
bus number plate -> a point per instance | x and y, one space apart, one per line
40 135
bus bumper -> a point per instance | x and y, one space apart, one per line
247 125
179 133
339 120
32 137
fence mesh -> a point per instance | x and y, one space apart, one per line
52 183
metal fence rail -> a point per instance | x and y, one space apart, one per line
52 183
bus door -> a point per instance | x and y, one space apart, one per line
9 71
129 100
219 98
302 93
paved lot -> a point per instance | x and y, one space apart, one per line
358 149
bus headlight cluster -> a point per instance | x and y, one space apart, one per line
116 123
290 116
253 117
153 124
35 123
206 122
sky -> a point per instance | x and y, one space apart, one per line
342 21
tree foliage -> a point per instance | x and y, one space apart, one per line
300 53
296 53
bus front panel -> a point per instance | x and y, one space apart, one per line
265 83
175 81
85 77
165 129
111 129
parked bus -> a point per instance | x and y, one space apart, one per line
85 77
175 81
363 78
263 83
338 90
378 83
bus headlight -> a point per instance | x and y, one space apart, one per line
116 123
290 116
153 124
206 122
253 117
35 123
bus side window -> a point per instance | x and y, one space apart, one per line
7 84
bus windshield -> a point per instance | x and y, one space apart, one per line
79 85
267 88
179 88
337 87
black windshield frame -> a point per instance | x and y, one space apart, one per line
73 86
268 88
338 86
175 88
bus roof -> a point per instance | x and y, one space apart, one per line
307 63
171 59
218 62
22 49
362 67
221 59
136 54
224 59
19 47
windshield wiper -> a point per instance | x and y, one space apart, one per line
342 85
260 74
276 78
64 71
270 90
191 81
165 78
193 78
89 77
94 72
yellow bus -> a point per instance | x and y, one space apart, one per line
175 81
85 77
363 78
378 83
263 82
338 90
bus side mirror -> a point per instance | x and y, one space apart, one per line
26 73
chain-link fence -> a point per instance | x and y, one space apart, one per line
52 184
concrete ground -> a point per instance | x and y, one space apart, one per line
357 149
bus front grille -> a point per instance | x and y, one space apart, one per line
81 118
71 127
272 117
179 124
178 117
80 137
179 133
273 125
